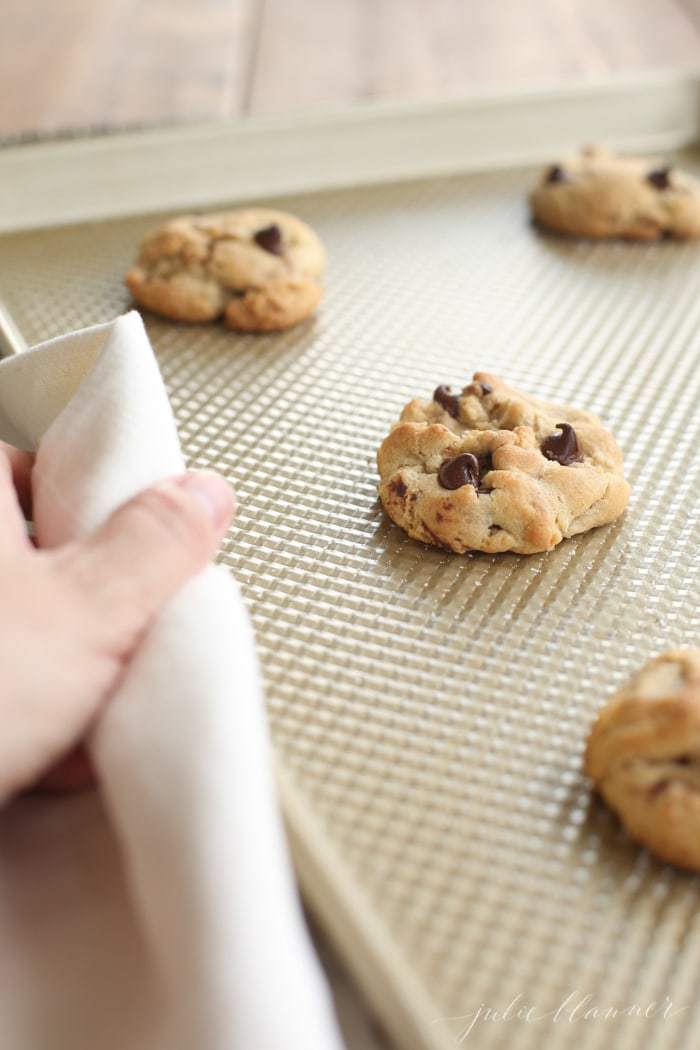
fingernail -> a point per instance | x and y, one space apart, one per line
215 494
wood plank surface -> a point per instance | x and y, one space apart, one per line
331 52
80 64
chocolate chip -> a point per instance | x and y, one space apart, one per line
449 401
486 388
462 470
563 448
556 174
270 238
659 177
398 488
485 465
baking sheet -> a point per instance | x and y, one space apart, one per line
105 176
429 711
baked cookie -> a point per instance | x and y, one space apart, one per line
597 194
256 267
643 756
494 470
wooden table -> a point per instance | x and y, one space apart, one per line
79 63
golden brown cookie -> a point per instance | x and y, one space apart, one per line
257 268
643 756
598 194
494 470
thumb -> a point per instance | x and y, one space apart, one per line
149 547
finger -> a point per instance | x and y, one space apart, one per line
149 548
21 463
13 532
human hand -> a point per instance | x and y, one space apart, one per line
72 617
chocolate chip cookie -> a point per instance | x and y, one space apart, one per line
598 194
256 268
492 469
643 756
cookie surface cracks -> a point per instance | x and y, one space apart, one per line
522 500
643 756
600 195
258 268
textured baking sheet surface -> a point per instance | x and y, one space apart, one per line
429 709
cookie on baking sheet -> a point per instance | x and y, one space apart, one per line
492 469
257 268
598 194
643 756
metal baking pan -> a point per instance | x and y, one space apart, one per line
429 711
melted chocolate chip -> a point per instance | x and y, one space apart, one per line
659 177
486 388
270 238
556 174
563 448
398 488
485 465
462 470
449 401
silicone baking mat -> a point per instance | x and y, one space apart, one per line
429 711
